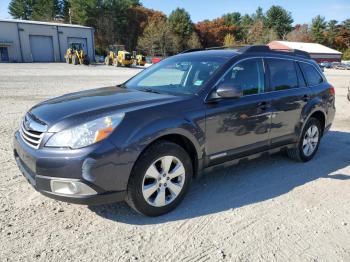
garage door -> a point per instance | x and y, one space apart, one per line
42 48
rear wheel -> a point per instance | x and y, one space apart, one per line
160 179
116 62
86 60
308 143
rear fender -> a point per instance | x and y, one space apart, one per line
315 105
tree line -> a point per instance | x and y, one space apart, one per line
129 23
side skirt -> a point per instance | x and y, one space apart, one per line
236 161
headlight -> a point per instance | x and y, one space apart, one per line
86 134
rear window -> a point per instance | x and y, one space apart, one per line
312 76
282 74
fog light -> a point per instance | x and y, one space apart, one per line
68 187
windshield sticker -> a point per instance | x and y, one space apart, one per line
198 82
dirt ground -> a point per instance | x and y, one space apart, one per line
270 209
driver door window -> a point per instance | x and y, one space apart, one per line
248 75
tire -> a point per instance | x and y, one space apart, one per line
75 60
86 60
141 186
349 96
300 152
108 61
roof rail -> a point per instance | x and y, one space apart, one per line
191 50
255 49
265 48
211 48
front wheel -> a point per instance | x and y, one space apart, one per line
160 179
308 143
108 61
75 60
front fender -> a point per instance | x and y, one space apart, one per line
145 135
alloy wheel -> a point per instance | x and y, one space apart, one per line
163 181
310 141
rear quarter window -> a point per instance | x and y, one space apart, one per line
312 76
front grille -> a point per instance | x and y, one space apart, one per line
29 135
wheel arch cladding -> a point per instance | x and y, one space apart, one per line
180 140
320 116
313 109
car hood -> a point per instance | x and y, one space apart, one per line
95 102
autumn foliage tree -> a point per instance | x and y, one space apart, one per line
212 33
300 33
229 40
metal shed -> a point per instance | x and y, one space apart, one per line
33 41
318 52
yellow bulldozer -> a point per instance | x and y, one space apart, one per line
118 56
75 55
139 59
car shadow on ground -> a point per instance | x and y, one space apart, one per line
245 184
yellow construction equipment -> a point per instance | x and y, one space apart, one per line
140 60
118 56
75 55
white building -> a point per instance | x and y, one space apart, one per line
318 52
32 41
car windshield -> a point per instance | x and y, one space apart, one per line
179 74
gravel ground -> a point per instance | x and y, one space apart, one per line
270 209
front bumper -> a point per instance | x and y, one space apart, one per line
91 166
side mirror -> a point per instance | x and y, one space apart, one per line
227 90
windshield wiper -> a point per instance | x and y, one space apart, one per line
149 90
121 86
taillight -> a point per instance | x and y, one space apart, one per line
332 90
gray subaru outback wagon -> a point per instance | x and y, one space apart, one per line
143 141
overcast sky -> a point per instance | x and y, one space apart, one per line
302 10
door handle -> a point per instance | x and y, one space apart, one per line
306 97
262 105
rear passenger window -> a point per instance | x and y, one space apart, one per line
248 75
313 77
282 74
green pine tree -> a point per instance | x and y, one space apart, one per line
46 10
279 20
182 27
21 9
318 28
